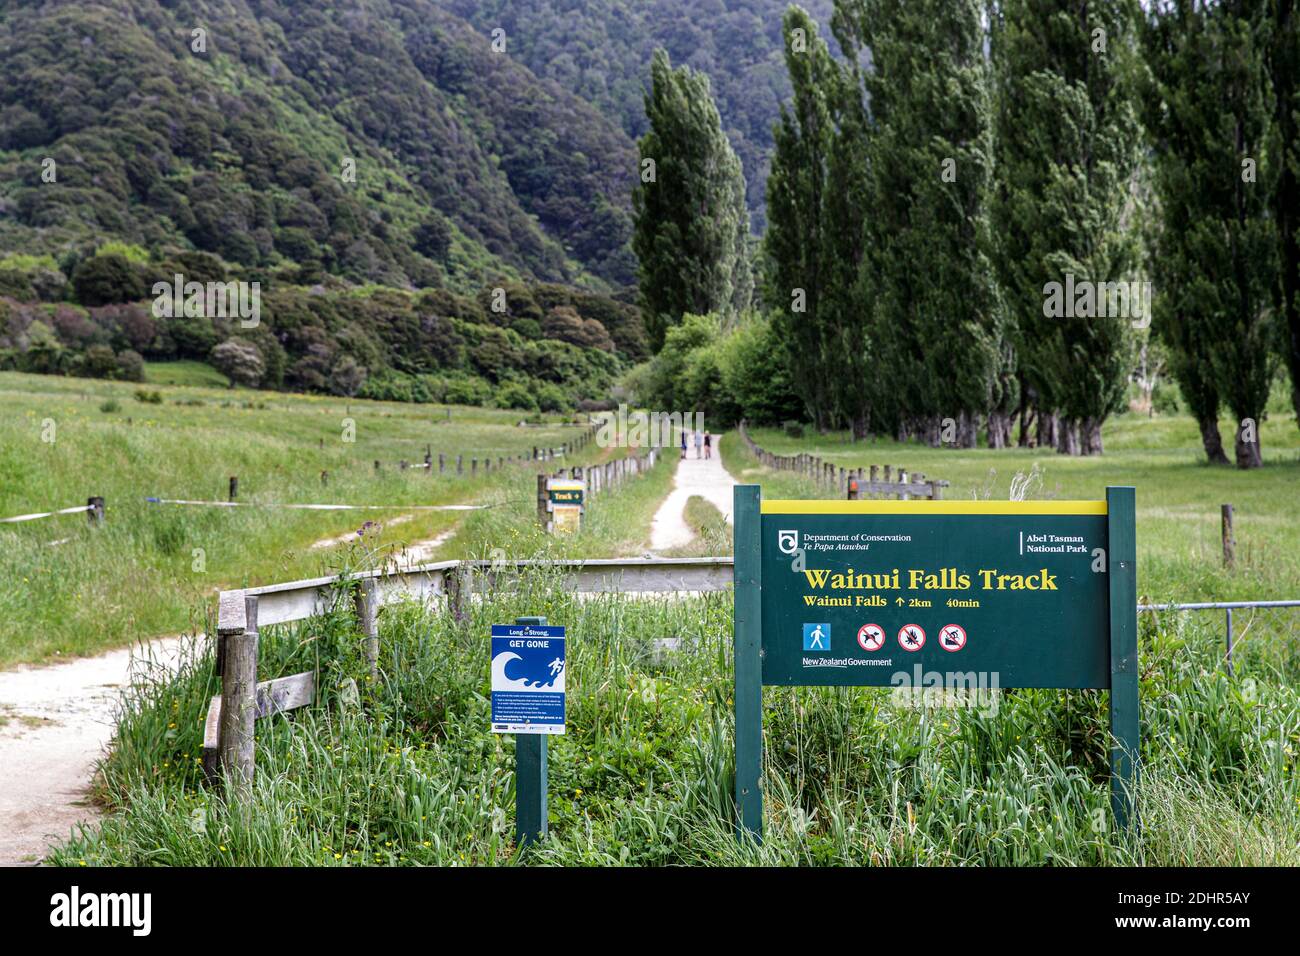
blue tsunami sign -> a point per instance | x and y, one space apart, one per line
528 676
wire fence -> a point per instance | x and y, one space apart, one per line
1242 619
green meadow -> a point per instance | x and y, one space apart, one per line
402 770
151 569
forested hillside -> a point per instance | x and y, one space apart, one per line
601 50
378 141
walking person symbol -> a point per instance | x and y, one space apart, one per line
816 637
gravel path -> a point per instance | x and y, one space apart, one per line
55 723
695 476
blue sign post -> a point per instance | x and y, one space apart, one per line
528 665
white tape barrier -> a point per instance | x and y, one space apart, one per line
47 514
274 504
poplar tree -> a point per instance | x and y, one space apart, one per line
691 226
814 241
1067 149
1209 116
1285 62
934 315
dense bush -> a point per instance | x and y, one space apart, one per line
728 375
374 341
465 163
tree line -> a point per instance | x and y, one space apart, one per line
980 213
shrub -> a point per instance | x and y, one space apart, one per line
148 396
107 280
130 366
515 395
467 391
98 361
110 406
240 361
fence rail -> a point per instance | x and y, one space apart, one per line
848 482
227 736
1227 607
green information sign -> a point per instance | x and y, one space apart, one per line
957 594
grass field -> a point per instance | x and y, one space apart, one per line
149 569
406 772
184 373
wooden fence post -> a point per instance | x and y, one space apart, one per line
324 478
367 605
234 487
1229 537
239 699
460 464
442 463
459 588
96 513
541 499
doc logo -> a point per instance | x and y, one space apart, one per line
787 541
816 637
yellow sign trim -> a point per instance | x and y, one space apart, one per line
792 506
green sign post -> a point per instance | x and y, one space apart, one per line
912 593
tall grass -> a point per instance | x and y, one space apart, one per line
404 770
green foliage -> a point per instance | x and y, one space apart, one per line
1209 111
817 199
1284 56
691 225
416 157
404 770
1067 148
742 373
107 279
336 339
601 52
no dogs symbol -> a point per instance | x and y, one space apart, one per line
871 637
952 637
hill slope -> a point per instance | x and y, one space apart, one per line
601 50
233 128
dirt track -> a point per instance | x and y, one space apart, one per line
55 723
705 477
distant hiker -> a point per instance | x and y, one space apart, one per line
683 443
699 443
708 445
